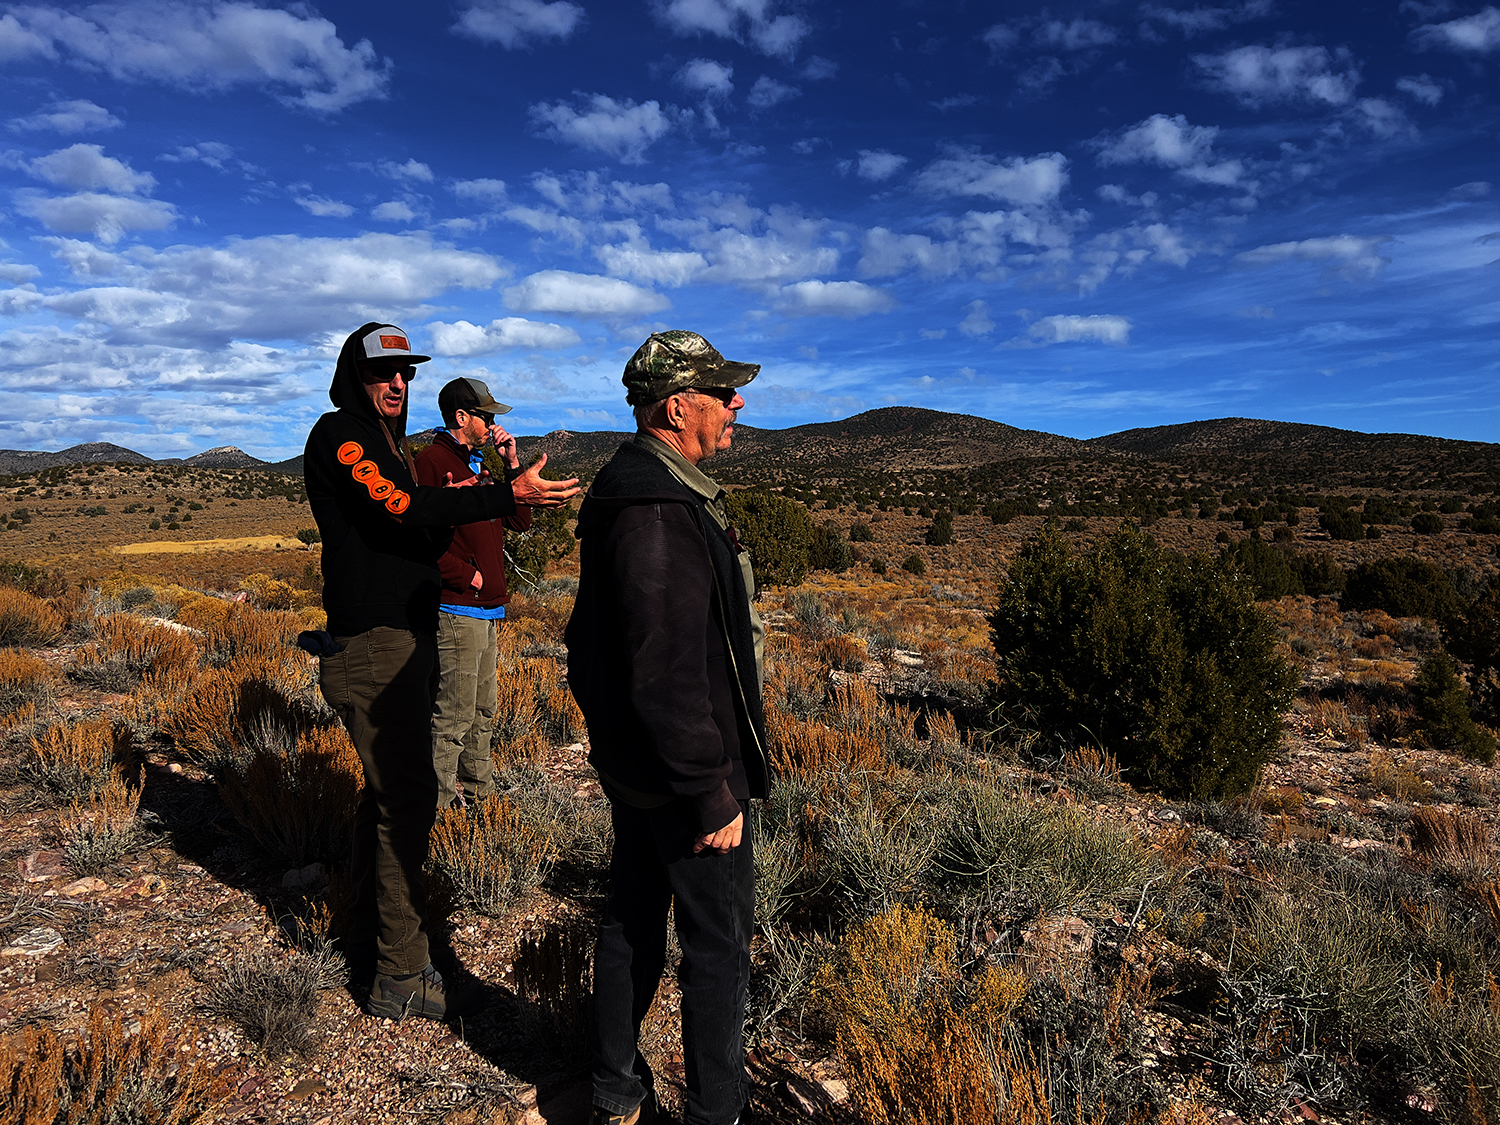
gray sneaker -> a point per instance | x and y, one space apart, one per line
423 994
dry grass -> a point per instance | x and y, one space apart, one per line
25 620
126 647
523 694
296 798
76 759
25 682
810 748
1451 839
100 830
246 633
489 854
1386 775
106 1075
223 705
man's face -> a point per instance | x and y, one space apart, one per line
386 385
713 422
473 429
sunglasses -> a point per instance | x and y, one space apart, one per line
484 416
383 373
723 394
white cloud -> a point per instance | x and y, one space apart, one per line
818 69
1074 35
480 191
78 116
1199 21
582 294
1260 75
275 287
1474 189
806 145
738 258
1000 39
706 77
204 46
86 168
394 211
639 262
411 170
518 23
18 273
978 321
1081 329
1384 119
754 21
1423 88
212 153
1172 142
768 92
1479 33
464 339
107 217
847 299
884 253
323 208
1353 257
1019 180
621 129
877 164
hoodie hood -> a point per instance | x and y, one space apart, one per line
347 392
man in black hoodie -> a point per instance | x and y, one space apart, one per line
664 650
382 537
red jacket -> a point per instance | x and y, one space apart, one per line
476 547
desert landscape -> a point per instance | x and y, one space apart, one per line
966 911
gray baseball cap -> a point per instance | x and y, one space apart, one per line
673 361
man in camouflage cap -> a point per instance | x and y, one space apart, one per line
664 653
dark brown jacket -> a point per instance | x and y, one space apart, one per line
476 546
661 657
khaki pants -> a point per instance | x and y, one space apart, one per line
381 686
463 716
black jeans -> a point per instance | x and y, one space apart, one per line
654 866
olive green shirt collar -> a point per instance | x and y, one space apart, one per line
688 473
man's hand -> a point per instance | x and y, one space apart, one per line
477 581
505 445
530 488
482 478
721 841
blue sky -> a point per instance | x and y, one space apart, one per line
1077 217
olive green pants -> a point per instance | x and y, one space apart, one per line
463 715
381 685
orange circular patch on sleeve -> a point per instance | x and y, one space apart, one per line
350 452
380 488
398 502
365 471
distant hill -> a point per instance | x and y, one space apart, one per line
892 439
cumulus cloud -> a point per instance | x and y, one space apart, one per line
107 217
78 116
1073 35
621 129
411 170
274 287
756 22
1423 88
885 253
394 211
464 339
1200 21
518 23
582 294
480 191
86 168
738 257
215 154
1382 118
877 164
768 92
1262 75
1172 142
847 299
1477 34
1353 257
977 321
1081 329
1018 180
204 46
706 77
638 261
323 208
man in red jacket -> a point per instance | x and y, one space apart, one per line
474 597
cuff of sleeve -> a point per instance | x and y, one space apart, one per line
512 474
717 809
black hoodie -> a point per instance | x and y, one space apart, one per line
661 653
382 532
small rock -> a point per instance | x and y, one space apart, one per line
85 886
836 1089
310 876
144 887
41 866
33 943
1169 816
1326 802
804 1103
174 767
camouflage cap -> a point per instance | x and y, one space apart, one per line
673 361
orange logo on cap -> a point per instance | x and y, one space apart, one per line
395 342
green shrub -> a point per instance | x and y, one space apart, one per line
1442 704
1341 523
1319 573
1426 523
1161 659
778 532
1404 587
859 532
528 552
913 564
1271 572
877 566
830 551
940 534
309 535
